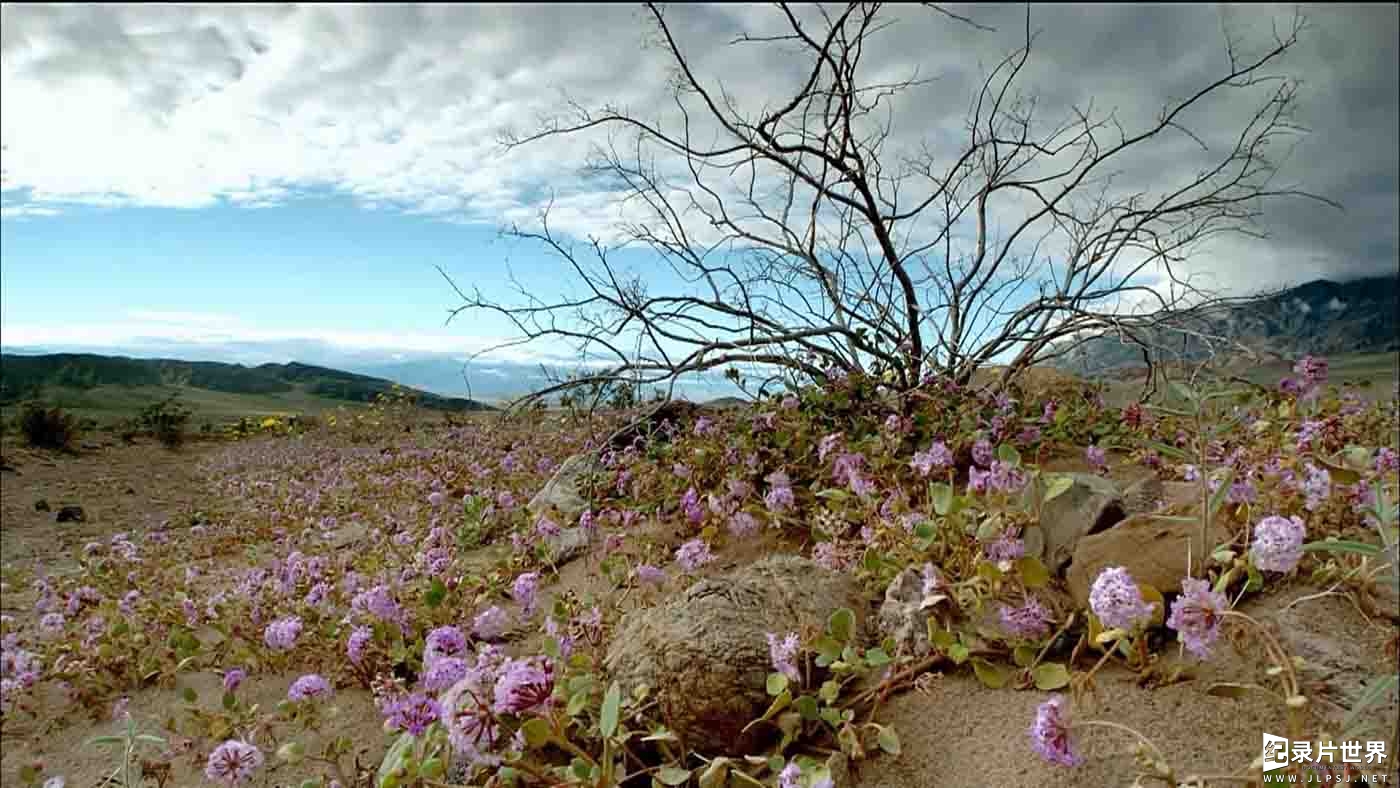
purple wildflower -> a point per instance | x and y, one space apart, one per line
443 642
1006 547
1050 734
1317 486
694 554
790 776
650 575
491 623
414 714
233 762
938 457
783 652
233 678
281 635
828 444
523 685
1278 543
1196 615
982 453
524 591
1096 457
443 672
308 687
1117 600
356 643
1030 620
743 524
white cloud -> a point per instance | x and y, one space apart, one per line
197 329
400 106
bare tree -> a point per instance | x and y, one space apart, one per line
806 247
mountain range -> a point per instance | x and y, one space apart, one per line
1320 318
27 376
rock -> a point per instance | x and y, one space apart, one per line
1092 504
1154 495
41 505
562 491
568 544
346 535
704 653
73 514
905 612
1152 548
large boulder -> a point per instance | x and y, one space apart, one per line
1153 549
564 490
1091 504
1154 495
704 653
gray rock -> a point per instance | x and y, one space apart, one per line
1152 548
568 544
704 653
1092 504
905 612
564 490
1154 495
71 514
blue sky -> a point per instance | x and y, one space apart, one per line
317 266
248 182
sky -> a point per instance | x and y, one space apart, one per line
254 182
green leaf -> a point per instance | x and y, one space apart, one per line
1057 485
188 695
942 495
1375 692
716 775
670 775
536 732
993 676
1228 689
1023 656
1050 676
1033 572
1217 499
1341 546
777 684
436 593
877 658
958 653
577 702
1183 391
612 705
834 493
1007 453
806 707
842 624
889 740
229 701
1169 451
99 740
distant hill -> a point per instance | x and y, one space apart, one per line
22 376
1320 318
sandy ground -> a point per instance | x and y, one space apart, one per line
955 732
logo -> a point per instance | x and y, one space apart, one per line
1320 758
1276 750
